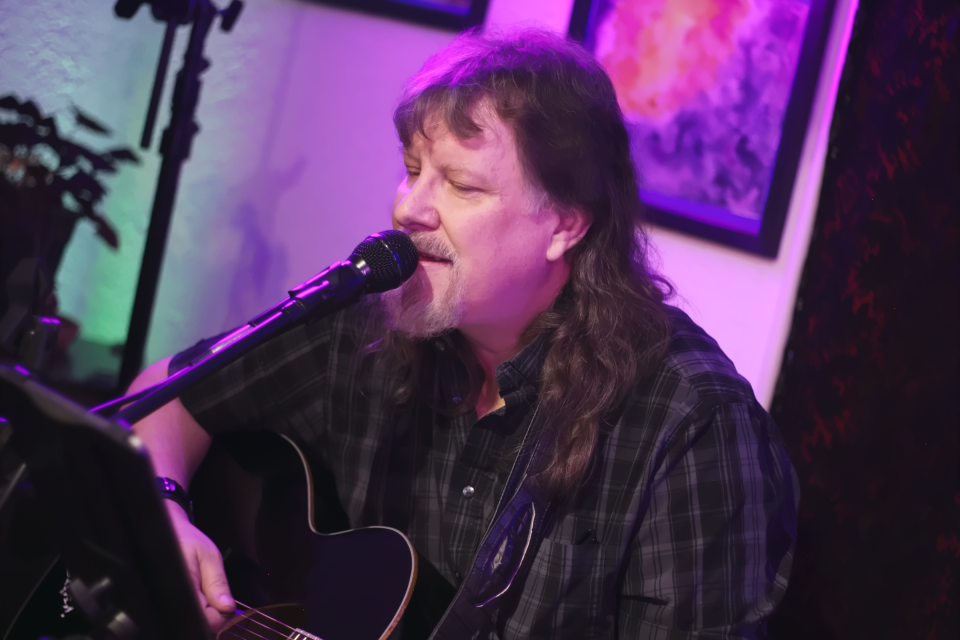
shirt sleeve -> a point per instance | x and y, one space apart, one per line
713 553
265 388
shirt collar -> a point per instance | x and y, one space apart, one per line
517 377
522 371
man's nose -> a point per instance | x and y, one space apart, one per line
417 209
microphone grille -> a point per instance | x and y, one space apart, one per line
392 258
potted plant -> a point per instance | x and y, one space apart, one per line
47 184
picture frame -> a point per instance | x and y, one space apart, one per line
455 15
702 103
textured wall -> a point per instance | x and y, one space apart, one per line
297 160
58 53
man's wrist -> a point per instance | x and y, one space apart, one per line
171 490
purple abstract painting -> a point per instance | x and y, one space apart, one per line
704 85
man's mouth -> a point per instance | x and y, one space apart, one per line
428 257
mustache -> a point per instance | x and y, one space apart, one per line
431 245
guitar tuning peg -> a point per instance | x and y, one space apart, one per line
229 15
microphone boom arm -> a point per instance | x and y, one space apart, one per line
330 290
383 261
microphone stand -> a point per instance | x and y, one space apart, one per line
332 289
174 147
381 262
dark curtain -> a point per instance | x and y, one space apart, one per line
868 395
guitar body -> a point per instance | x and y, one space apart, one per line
349 585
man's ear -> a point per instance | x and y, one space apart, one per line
571 226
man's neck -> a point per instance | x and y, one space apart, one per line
490 354
496 342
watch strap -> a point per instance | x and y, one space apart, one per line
171 490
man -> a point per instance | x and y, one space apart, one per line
571 457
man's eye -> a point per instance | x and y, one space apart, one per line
462 188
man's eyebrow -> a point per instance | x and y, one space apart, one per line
460 171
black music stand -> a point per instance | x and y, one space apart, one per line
116 540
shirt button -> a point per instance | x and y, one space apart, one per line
456 399
467 491
439 345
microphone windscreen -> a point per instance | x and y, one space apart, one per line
392 258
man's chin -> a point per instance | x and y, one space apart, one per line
409 312
420 322
428 304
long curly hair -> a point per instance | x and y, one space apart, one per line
609 327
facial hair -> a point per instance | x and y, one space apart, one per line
415 310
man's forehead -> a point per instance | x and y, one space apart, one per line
493 130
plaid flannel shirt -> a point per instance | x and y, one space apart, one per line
685 528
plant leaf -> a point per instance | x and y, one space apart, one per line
10 102
87 122
59 186
70 152
100 162
14 133
104 229
82 183
51 125
123 154
26 108
29 108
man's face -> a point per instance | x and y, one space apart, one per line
482 232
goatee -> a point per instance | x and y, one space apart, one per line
415 310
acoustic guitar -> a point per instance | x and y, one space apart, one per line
349 585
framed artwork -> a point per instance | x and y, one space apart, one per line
717 96
456 15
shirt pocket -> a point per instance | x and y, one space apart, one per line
568 593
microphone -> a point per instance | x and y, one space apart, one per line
383 261
391 257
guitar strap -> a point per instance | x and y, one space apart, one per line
507 551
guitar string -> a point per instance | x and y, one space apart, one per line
237 625
231 631
270 629
249 608
251 631
246 616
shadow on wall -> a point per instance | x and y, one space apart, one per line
262 261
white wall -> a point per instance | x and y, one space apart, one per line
743 300
297 161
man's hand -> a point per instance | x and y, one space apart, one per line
177 444
206 569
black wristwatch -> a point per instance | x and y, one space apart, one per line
171 490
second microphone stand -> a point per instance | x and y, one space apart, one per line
174 147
